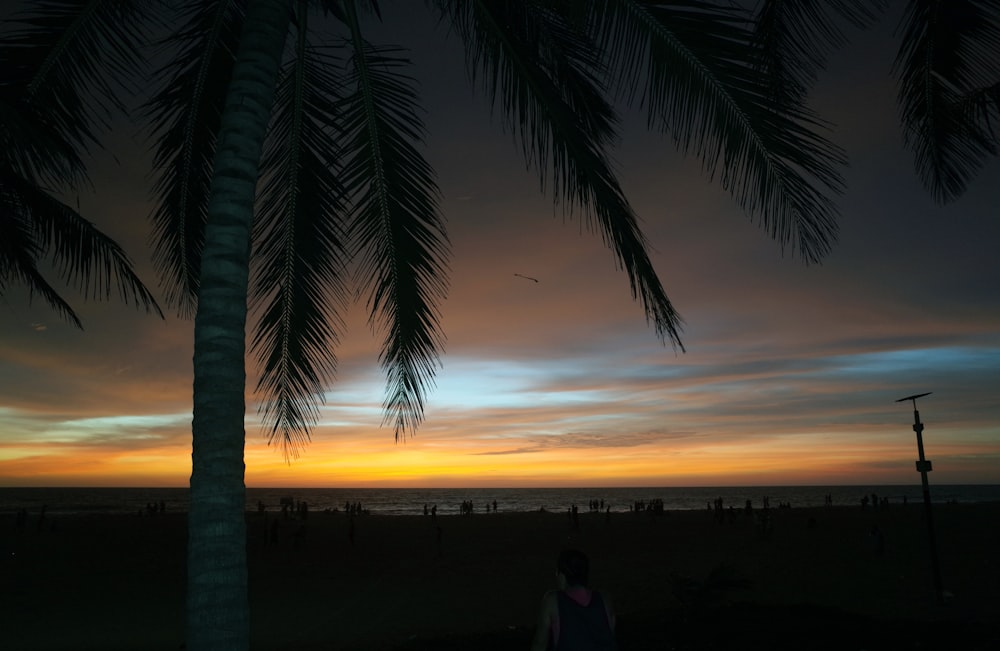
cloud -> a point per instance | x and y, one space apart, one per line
585 440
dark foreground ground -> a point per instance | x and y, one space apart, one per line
748 626
816 579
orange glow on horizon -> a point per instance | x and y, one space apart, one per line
375 461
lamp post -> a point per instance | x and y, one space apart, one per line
924 467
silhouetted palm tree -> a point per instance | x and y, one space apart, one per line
47 121
342 179
287 147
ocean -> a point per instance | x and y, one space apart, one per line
410 501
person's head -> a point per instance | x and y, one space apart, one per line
573 566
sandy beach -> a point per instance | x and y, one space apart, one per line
819 579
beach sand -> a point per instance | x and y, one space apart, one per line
817 580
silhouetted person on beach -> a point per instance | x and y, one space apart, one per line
574 617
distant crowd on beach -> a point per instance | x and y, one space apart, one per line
468 507
876 503
291 524
719 508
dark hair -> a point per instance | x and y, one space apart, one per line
573 564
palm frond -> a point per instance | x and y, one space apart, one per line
395 221
186 114
983 108
298 286
949 50
501 39
795 38
63 62
83 256
692 66
20 253
543 74
32 146
71 59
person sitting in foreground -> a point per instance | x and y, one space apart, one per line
574 617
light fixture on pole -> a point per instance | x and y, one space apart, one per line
924 467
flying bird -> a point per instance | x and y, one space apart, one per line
526 277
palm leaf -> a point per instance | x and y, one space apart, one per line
61 63
983 108
20 253
33 147
298 286
543 73
82 255
949 51
70 58
795 38
186 113
693 66
395 222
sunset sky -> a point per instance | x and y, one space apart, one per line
790 374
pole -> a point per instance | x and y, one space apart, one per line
924 466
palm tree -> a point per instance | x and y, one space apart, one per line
283 162
48 124
342 180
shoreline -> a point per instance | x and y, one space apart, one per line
117 581
410 501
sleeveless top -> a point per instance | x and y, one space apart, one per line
584 628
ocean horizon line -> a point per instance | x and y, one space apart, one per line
409 501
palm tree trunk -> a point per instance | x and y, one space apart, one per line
217 606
